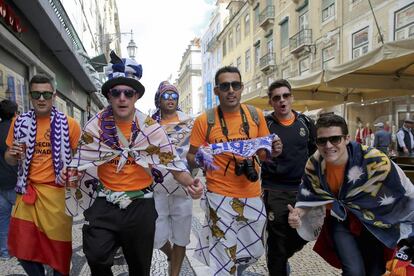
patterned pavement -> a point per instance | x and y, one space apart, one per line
305 262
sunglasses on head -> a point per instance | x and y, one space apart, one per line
334 140
47 95
277 98
169 96
115 93
225 86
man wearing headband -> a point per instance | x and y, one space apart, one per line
173 204
121 153
41 142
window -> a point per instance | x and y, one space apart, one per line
224 48
256 15
285 73
304 21
257 54
404 23
304 66
360 43
328 9
284 33
328 56
247 24
238 34
247 61
230 41
270 45
239 63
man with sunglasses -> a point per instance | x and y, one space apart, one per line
282 175
41 142
368 198
120 154
234 209
172 202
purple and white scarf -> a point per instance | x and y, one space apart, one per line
25 129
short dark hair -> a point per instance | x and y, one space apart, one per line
277 84
332 120
41 79
7 109
226 69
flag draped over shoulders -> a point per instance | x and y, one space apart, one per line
374 189
149 146
179 134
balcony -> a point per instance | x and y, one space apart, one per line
268 62
212 44
267 17
190 70
299 41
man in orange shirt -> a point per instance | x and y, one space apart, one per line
234 209
40 231
172 202
119 150
369 200
282 175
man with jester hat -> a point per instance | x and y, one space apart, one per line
41 143
120 151
173 204
367 199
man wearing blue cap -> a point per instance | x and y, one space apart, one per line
120 151
173 204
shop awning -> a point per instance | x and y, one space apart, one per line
387 71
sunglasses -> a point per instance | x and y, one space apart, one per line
285 96
169 96
334 140
115 93
225 86
47 95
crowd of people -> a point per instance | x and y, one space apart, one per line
133 177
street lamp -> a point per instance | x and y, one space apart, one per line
132 47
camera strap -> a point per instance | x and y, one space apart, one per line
225 130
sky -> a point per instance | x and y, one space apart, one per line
162 31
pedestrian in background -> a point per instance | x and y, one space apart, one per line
405 138
282 175
41 142
8 176
235 213
367 199
121 148
382 138
172 202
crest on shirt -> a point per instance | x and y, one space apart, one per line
302 132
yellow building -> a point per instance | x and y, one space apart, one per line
301 39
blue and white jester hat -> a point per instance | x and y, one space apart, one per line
123 71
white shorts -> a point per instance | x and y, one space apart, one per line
174 219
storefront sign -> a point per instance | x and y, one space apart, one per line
11 19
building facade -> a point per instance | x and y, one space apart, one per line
188 82
211 52
296 39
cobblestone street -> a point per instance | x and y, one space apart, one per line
303 263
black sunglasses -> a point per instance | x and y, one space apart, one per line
169 96
334 140
47 95
277 98
115 93
225 86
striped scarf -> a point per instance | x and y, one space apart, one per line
25 129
